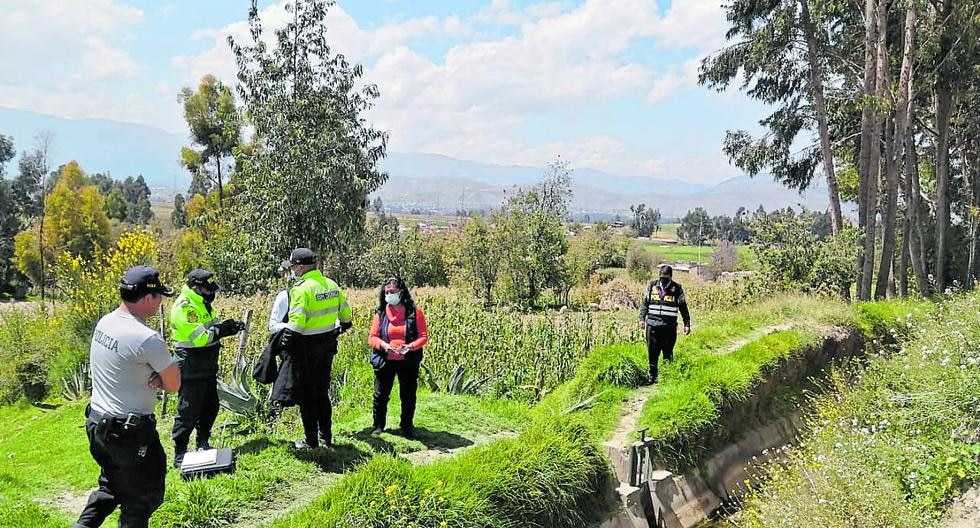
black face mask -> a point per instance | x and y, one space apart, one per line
209 296
664 281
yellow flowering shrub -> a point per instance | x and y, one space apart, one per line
91 286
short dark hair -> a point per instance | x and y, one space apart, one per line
133 296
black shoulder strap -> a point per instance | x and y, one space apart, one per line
285 316
411 325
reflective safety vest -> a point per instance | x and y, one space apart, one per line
662 305
191 324
316 305
195 334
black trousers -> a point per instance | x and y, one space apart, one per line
407 372
314 391
197 408
134 468
660 339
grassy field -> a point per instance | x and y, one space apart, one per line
703 254
894 448
529 459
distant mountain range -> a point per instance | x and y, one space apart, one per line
427 182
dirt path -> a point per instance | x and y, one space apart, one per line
755 334
626 427
67 501
292 499
627 422
965 511
27 306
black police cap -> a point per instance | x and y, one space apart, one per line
302 256
144 279
200 277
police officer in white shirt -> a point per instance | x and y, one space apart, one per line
279 315
129 362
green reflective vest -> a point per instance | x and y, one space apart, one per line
316 305
191 324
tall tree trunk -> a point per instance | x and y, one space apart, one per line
896 140
973 177
944 102
873 168
902 268
867 139
820 105
917 246
40 240
891 211
221 188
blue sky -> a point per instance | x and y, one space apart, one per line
605 84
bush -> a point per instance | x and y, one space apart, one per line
91 286
37 350
639 263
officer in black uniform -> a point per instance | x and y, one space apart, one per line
663 300
197 334
129 362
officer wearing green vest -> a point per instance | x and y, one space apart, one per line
196 333
318 314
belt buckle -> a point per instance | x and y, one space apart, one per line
132 420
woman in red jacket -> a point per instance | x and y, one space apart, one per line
397 336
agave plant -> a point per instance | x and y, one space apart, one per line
76 383
460 384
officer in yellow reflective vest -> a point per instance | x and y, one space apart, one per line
196 332
318 314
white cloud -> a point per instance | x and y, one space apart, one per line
473 101
167 9
697 24
502 13
343 32
69 59
676 79
100 60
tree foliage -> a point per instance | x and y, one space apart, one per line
794 257
696 227
476 259
216 128
9 222
178 217
307 180
645 221
74 222
125 200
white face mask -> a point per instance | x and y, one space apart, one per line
393 298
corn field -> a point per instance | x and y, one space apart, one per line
521 355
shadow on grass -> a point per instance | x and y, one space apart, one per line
335 459
378 444
257 445
46 406
441 440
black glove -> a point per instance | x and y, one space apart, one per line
229 327
345 327
288 337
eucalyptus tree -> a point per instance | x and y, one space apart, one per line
778 49
315 160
